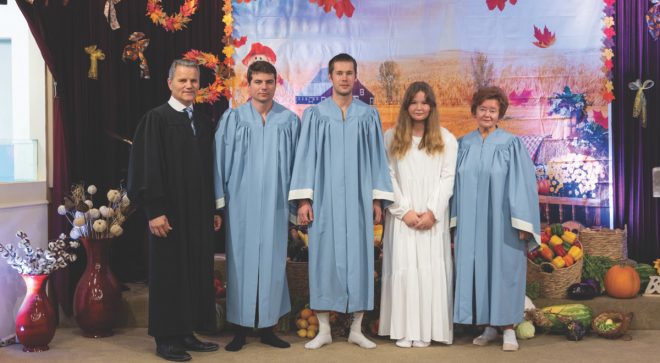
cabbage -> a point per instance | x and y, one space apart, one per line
525 330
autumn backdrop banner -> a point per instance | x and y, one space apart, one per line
551 58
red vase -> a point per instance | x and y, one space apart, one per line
97 300
35 322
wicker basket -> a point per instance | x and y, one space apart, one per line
617 317
297 275
554 284
605 242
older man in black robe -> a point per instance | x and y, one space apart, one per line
171 177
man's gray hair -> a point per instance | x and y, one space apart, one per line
181 63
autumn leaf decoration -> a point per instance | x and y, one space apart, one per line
342 7
520 99
171 23
492 4
544 39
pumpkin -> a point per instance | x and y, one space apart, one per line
622 282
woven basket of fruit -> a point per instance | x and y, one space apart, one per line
557 263
612 324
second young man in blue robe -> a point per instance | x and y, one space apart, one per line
341 181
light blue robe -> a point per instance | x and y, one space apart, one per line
342 167
252 174
495 195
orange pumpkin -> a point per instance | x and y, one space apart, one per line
622 282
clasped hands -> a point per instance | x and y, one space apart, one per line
419 220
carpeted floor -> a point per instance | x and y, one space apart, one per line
133 345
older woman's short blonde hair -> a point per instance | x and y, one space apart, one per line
490 93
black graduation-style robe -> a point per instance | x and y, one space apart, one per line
171 173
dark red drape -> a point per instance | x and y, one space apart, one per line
88 111
636 150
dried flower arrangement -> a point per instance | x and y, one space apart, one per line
89 221
37 261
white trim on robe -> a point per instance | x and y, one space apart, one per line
301 194
220 203
379 194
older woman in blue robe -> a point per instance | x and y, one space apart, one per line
495 210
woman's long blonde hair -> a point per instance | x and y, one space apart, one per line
432 140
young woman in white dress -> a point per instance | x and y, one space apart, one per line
416 296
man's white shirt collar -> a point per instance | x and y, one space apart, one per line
177 105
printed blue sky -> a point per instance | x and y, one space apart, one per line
391 29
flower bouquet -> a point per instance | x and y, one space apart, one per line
97 223
36 320
38 261
97 299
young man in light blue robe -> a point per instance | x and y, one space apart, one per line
341 182
255 145
495 209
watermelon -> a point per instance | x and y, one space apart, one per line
645 272
560 315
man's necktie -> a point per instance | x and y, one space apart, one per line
189 111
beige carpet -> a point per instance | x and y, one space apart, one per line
133 345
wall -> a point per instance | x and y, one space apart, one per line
23 206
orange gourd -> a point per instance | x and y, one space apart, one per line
622 282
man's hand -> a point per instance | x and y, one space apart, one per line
411 219
217 222
524 236
160 226
305 212
378 211
426 220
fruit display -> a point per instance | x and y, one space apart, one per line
559 248
307 323
559 316
378 235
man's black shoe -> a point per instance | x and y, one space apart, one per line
172 352
193 344
269 337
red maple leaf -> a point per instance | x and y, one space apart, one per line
608 64
342 7
240 42
608 96
545 38
520 99
609 32
610 3
513 2
495 3
600 119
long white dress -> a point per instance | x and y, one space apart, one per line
416 295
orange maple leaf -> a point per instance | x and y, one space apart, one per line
544 39
608 96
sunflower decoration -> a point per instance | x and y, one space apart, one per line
171 23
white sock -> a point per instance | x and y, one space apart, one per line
356 336
420 344
324 336
488 335
404 343
510 342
